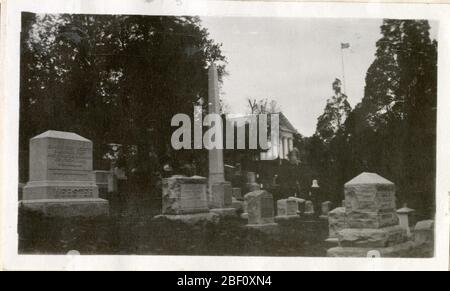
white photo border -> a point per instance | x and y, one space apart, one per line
9 130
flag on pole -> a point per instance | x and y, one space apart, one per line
345 45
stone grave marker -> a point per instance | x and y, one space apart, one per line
370 202
184 195
103 180
62 181
326 208
309 208
300 204
287 207
371 218
260 208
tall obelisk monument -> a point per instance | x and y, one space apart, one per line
216 167
220 190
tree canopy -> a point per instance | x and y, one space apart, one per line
113 79
392 131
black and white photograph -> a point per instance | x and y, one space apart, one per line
204 135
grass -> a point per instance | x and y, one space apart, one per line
136 233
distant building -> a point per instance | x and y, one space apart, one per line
285 145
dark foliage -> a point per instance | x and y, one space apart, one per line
393 130
114 79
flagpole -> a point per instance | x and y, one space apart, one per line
343 70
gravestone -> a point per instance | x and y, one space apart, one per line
371 218
287 207
300 204
370 202
287 214
309 208
424 231
62 181
260 208
184 195
103 180
326 207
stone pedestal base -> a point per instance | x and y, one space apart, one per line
191 218
225 212
368 219
269 228
372 238
401 250
68 207
39 190
221 195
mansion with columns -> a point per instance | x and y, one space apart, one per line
286 143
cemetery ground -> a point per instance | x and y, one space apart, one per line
133 231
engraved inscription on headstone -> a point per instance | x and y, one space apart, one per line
192 196
260 207
61 174
184 195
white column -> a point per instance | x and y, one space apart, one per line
280 148
286 147
291 144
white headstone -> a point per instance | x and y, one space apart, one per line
62 181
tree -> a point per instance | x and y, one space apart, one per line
392 131
263 106
335 114
114 79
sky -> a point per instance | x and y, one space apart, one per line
293 61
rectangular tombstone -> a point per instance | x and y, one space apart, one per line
221 195
287 207
184 195
309 208
61 170
102 180
260 208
